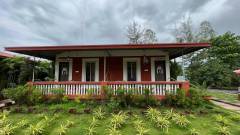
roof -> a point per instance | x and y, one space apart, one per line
49 52
5 55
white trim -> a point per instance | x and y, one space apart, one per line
104 72
57 68
96 60
137 60
166 59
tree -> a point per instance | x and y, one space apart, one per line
137 34
149 36
184 32
206 32
175 70
215 65
134 33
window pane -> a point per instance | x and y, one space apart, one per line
63 71
131 71
90 71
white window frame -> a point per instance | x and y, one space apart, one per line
96 60
138 72
57 69
166 59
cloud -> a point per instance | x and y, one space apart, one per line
56 22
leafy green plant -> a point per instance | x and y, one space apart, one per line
235 117
169 114
152 113
91 130
222 120
140 128
8 129
223 130
193 131
22 123
118 120
181 120
77 99
93 122
62 130
162 123
69 124
25 94
99 113
37 129
113 131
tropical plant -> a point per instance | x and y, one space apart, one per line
169 114
152 113
69 124
162 123
181 120
93 122
193 131
223 130
22 123
118 120
141 130
37 129
62 130
91 130
113 131
235 117
222 120
99 113
8 129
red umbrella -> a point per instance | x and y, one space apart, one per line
237 71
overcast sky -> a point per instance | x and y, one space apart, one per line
58 22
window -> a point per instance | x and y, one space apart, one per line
90 71
131 69
63 71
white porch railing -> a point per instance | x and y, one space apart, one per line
95 88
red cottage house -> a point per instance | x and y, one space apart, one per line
130 66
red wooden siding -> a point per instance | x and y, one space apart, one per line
114 68
77 69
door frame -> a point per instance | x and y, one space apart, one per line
167 69
96 60
57 69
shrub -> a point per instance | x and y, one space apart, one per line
162 123
99 114
113 105
118 120
221 120
25 94
169 114
108 92
113 131
223 130
58 94
152 113
193 131
181 120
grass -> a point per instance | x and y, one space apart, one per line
233 98
202 119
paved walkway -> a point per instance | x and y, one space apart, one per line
227 106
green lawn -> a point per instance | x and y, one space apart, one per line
233 98
202 119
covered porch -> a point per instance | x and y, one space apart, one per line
79 68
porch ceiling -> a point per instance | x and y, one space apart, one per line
50 52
